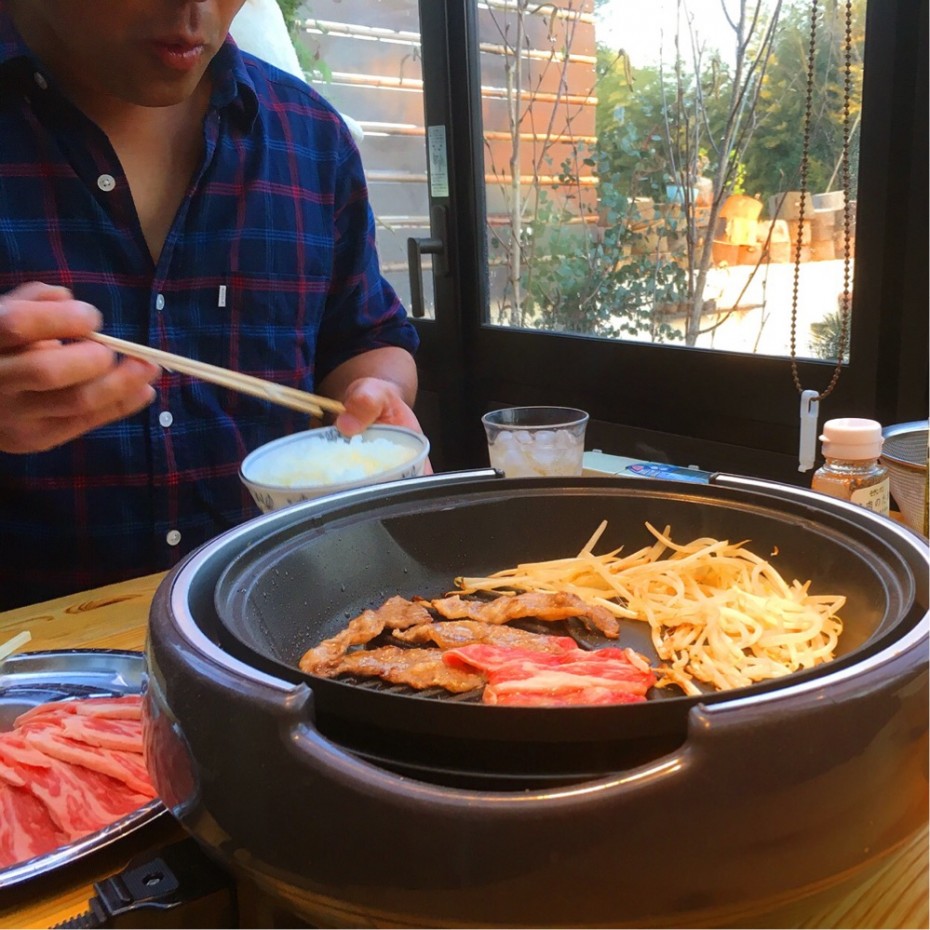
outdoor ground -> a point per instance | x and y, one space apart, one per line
762 322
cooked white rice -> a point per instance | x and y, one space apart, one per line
322 462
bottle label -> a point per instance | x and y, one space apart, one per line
874 498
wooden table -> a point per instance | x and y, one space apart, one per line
116 617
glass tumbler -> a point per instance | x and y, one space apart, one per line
528 442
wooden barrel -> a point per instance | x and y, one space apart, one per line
787 206
741 207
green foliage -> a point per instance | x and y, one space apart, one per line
640 111
608 280
311 62
636 109
773 161
615 81
289 8
826 337
630 129
596 280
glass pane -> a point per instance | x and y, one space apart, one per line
364 58
643 159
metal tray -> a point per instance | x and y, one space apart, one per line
33 678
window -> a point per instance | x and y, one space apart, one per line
642 165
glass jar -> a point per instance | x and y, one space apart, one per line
852 470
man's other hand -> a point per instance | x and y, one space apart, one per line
54 384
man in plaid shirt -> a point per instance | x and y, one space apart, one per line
159 185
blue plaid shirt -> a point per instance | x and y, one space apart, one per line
269 268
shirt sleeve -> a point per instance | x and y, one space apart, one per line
362 310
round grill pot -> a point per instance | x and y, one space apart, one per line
352 804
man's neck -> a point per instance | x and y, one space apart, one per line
159 149
124 122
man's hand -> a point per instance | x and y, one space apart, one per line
376 387
371 400
53 389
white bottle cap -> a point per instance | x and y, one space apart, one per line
852 439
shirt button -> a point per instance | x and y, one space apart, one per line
160 302
39 78
106 182
173 537
165 418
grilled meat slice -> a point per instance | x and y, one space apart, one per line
417 668
454 633
548 607
396 613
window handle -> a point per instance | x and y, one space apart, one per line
435 245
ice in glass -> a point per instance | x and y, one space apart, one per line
536 441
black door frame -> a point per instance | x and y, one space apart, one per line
452 99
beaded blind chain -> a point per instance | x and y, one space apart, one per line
810 400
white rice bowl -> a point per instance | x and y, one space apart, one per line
310 464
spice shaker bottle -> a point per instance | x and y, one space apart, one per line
852 470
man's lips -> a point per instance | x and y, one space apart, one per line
180 54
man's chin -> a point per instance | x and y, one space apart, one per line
163 93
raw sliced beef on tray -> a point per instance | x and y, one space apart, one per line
126 767
120 733
78 799
125 707
529 678
26 829
105 732
68 769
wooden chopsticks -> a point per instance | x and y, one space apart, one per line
224 377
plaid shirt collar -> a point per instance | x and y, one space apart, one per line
233 89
